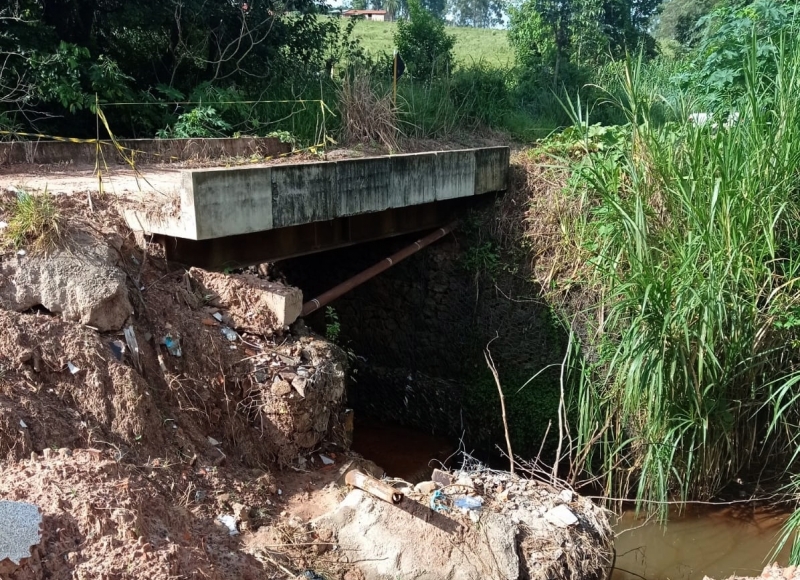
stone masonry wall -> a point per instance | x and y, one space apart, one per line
420 328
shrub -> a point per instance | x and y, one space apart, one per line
423 43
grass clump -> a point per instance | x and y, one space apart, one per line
34 222
690 237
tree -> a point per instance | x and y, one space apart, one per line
551 36
678 19
477 13
423 43
60 53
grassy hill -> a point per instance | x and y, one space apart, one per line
472 44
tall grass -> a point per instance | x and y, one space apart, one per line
34 222
694 252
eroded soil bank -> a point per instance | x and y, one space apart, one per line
166 426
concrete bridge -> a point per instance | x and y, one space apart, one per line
242 216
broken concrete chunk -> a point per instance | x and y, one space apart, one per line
425 487
81 282
20 529
254 304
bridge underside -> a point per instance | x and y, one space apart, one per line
289 242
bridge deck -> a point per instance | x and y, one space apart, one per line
223 203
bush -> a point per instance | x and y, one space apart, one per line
423 43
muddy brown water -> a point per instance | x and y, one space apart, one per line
704 541
401 452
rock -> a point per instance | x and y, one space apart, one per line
561 516
410 541
441 477
465 481
281 388
81 282
425 487
299 385
20 529
242 514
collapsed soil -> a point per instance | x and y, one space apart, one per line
132 457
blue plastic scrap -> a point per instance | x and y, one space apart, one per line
437 501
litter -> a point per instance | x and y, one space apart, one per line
311 575
437 502
230 523
22 424
117 349
3 225
229 333
173 346
561 516
72 368
217 316
326 460
133 345
213 441
468 502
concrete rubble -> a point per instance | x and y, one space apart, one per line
480 524
80 281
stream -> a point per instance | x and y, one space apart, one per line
709 541
713 541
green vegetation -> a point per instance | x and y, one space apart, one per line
681 236
426 48
472 45
34 222
684 235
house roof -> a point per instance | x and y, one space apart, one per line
360 12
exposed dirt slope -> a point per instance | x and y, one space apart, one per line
155 444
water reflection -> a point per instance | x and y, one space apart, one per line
716 542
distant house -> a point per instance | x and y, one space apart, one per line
378 15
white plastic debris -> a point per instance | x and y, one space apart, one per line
22 424
213 441
561 516
565 496
230 523
21 252
229 333
326 460
133 344
3 225
217 316
73 369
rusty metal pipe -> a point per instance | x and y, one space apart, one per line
372 486
372 271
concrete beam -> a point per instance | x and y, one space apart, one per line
289 242
219 203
